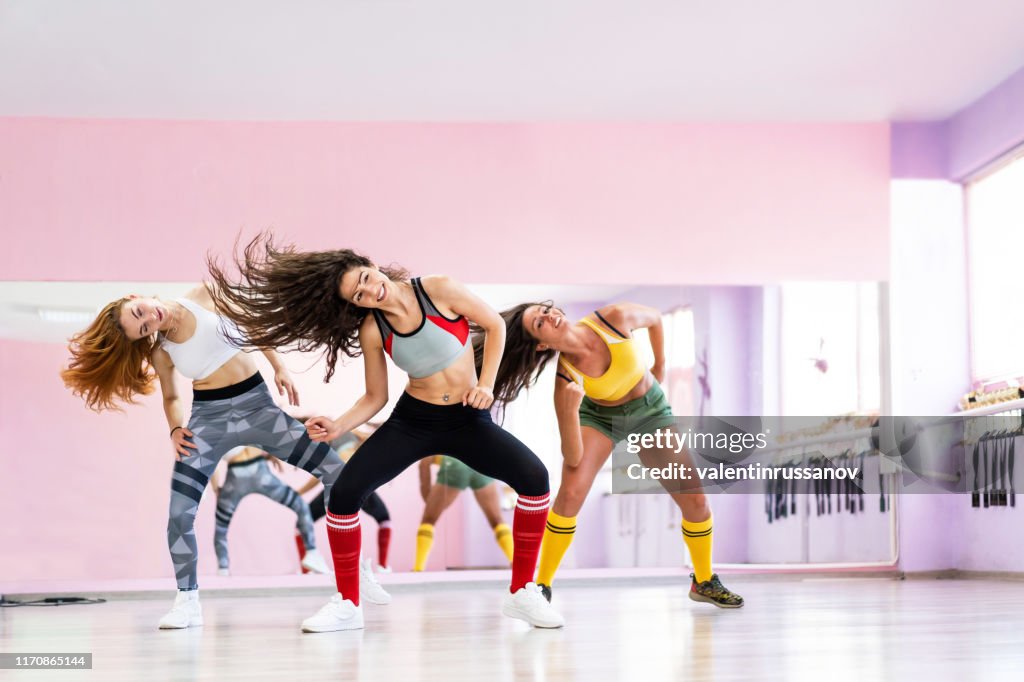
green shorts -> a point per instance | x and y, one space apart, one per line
641 415
455 474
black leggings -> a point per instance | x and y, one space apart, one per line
417 429
374 506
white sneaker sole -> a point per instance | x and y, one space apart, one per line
194 622
513 612
350 624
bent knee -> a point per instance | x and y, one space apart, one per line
345 499
568 502
694 505
533 482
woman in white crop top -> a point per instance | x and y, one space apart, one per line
133 342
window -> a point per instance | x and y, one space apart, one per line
829 348
995 242
680 358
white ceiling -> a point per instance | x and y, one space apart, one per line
52 311
432 60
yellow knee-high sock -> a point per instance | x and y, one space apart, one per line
503 535
557 537
424 541
697 537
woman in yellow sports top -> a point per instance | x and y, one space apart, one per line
601 378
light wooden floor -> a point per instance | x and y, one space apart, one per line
793 629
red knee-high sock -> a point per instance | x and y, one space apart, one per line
301 546
346 537
383 542
527 532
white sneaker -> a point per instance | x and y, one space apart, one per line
314 562
185 613
337 614
369 588
382 569
529 604
223 571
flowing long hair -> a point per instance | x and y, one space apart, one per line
106 366
521 362
290 300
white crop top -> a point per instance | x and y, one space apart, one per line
207 349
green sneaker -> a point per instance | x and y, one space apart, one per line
714 592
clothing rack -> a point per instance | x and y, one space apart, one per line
800 448
858 434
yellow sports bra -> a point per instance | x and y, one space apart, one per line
625 371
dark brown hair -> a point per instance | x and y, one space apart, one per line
521 362
106 366
290 300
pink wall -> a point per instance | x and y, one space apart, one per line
84 495
695 203
90 491
577 203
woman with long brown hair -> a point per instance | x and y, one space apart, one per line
135 342
601 385
343 303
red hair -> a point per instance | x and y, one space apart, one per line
106 366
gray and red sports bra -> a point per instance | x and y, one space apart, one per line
433 346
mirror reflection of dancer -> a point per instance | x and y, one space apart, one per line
134 341
248 473
341 301
601 382
346 446
452 478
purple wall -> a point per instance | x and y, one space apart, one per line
929 303
919 150
986 129
964 143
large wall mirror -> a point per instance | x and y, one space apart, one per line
788 349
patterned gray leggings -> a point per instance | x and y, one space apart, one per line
254 476
222 420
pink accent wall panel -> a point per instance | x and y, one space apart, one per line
714 203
